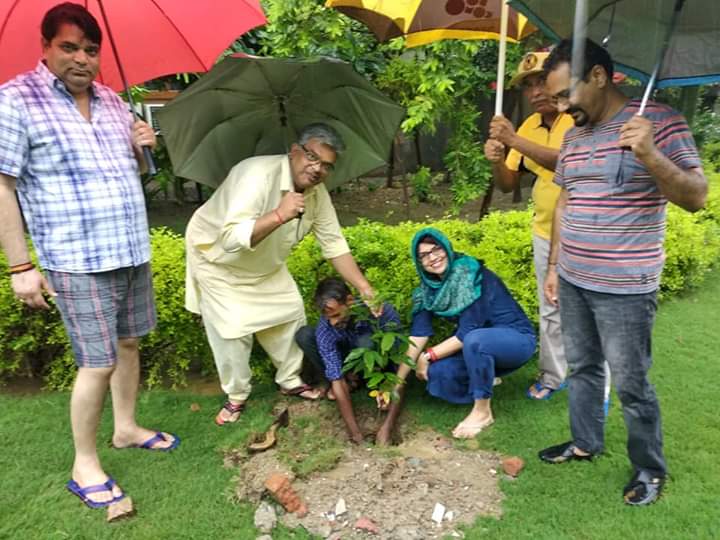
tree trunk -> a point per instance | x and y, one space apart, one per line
418 154
391 168
403 177
487 200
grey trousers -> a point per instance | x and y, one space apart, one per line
599 327
551 359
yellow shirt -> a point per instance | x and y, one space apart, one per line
545 192
244 289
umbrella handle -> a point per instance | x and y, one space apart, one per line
149 161
500 88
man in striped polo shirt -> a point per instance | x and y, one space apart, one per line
617 171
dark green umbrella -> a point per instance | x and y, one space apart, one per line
247 106
676 42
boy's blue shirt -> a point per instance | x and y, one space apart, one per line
330 339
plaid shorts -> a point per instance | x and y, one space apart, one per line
100 308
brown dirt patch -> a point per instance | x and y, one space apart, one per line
397 487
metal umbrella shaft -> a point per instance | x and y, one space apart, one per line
147 154
577 59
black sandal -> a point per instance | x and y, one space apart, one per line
643 489
562 453
232 408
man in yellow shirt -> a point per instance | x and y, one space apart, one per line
237 245
534 148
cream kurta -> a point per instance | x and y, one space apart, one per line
239 289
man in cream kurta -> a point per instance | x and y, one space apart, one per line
237 245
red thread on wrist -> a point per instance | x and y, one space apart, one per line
20 268
432 355
281 221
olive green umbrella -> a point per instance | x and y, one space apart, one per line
247 106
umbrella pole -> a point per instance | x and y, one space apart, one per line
500 88
577 60
661 56
152 170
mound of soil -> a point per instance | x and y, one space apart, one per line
396 488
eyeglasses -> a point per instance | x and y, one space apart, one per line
436 252
314 159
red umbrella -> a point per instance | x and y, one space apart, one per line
152 37
148 38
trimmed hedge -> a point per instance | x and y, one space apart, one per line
34 343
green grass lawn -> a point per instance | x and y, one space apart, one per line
187 493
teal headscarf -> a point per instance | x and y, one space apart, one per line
456 289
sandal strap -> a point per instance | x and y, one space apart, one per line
233 408
158 437
297 390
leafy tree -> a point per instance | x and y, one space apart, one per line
437 83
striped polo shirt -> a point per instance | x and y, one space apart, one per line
613 227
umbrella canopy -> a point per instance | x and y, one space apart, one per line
636 30
152 37
425 21
247 106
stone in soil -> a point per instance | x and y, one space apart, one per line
265 517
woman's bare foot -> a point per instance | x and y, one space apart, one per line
472 425
479 418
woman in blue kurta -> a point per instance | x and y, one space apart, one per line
493 335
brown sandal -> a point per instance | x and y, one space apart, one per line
267 440
232 408
300 390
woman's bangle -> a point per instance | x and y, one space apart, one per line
431 355
20 268
281 221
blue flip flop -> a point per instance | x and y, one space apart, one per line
148 445
83 492
539 387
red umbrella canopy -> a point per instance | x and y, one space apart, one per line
153 37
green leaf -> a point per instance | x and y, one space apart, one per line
375 379
388 340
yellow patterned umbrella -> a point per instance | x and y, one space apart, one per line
425 21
